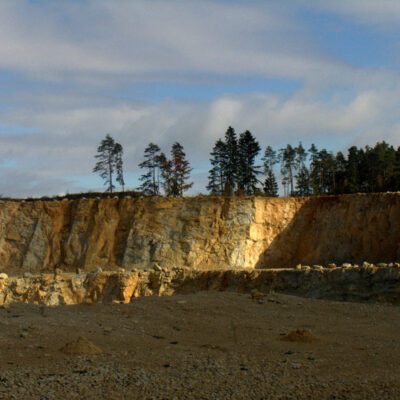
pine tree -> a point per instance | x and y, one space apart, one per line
160 161
303 175
270 159
119 165
285 184
109 155
216 179
288 166
248 149
167 175
315 170
301 156
150 180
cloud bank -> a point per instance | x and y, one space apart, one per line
72 72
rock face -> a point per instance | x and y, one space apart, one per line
352 283
202 232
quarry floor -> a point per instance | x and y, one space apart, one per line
208 345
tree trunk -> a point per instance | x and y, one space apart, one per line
110 171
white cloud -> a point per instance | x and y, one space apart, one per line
99 42
75 57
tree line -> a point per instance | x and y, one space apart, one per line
170 174
237 169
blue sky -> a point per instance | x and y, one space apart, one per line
316 71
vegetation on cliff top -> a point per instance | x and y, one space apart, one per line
234 169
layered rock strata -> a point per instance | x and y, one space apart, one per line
350 282
201 232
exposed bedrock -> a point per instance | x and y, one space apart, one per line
352 283
203 233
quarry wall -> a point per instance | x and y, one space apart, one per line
203 233
366 283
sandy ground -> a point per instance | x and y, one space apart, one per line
201 346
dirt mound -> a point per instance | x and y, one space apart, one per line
81 346
300 335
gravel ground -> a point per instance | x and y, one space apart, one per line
208 345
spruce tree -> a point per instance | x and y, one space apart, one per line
216 178
176 172
181 169
329 167
303 182
396 171
384 162
353 170
340 173
230 168
248 149
270 185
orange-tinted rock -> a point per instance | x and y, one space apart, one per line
201 232
352 283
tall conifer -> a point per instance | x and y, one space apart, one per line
216 178
248 149
151 163
230 169
109 156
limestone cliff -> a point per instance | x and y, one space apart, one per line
353 283
200 232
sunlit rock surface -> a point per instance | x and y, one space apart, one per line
204 233
352 283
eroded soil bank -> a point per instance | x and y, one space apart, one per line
201 232
351 282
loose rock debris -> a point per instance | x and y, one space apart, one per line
81 346
226 347
300 335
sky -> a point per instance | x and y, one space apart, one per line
315 71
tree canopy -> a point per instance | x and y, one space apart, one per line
238 169
109 156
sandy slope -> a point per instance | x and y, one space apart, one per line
208 345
